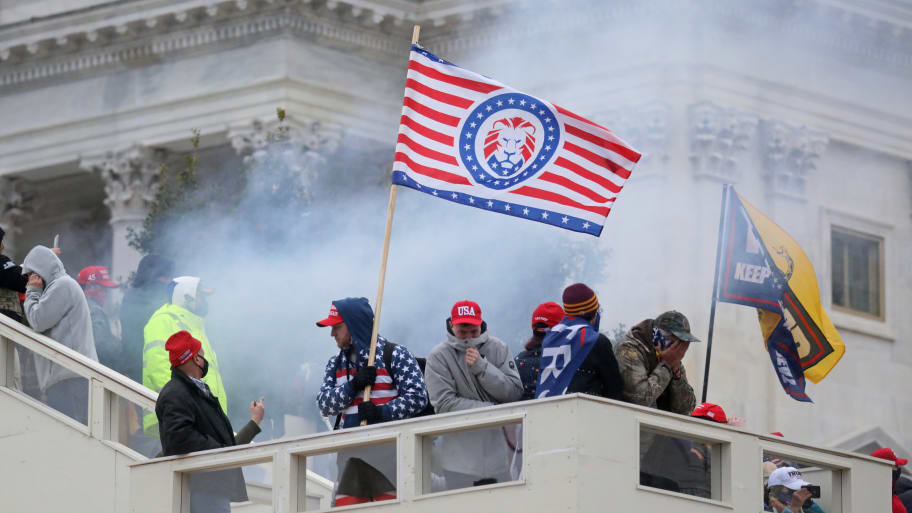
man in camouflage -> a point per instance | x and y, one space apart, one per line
649 357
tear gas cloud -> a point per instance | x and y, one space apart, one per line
261 319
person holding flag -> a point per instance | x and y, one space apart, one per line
763 267
575 356
366 474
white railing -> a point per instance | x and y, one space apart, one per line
581 453
107 389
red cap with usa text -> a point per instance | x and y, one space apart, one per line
466 312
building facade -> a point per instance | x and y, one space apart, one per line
804 105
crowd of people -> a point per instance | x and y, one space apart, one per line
162 343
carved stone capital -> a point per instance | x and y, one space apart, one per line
250 140
131 180
646 128
790 155
718 139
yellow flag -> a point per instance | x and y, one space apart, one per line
819 345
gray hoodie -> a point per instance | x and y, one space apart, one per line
60 311
453 385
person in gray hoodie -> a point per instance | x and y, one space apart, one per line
472 369
56 307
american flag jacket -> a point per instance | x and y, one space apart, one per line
400 391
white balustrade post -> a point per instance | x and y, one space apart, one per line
7 362
284 486
408 472
97 410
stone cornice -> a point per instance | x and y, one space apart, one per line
97 45
108 34
114 34
869 31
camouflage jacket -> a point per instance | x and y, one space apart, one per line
645 381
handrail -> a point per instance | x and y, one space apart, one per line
62 355
105 385
555 444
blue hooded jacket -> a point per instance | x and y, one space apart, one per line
336 394
359 317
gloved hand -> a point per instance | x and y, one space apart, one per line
365 376
370 412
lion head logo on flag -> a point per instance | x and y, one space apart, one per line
509 144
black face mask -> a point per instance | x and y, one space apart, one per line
205 367
896 473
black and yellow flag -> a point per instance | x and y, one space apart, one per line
763 267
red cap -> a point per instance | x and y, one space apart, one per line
181 347
887 454
549 313
710 411
332 319
96 274
466 312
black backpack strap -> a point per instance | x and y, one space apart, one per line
335 380
388 349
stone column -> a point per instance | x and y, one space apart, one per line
131 179
15 200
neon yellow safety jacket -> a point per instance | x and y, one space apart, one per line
166 321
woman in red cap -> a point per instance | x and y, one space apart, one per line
545 316
888 454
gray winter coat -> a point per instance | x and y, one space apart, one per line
59 311
453 386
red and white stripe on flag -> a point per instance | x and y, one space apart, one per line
471 140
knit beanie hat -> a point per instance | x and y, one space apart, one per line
182 347
580 300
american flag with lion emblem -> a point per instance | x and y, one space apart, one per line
468 139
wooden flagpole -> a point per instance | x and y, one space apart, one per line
726 190
382 281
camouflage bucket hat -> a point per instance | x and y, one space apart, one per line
675 323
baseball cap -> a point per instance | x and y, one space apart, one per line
97 274
549 313
466 312
788 477
710 411
887 454
675 323
332 319
181 347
